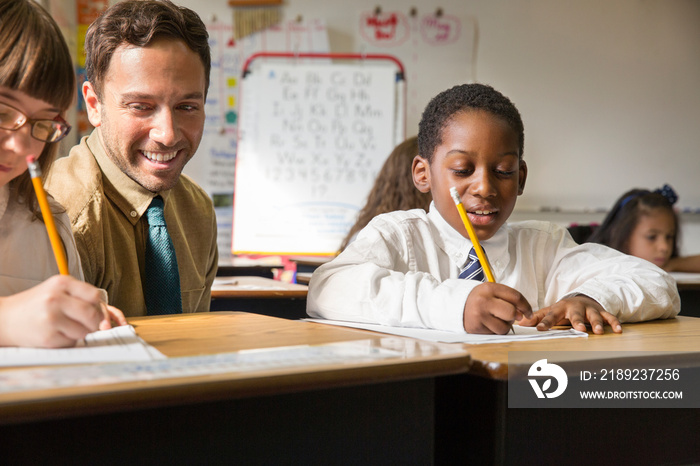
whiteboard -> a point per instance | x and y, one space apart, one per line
312 139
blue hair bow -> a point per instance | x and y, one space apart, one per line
668 192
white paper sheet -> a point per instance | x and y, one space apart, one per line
115 345
521 333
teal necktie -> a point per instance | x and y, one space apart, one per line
161 285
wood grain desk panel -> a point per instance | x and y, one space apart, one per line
212 333
355 413
681 335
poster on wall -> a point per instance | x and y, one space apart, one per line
213 167
424 42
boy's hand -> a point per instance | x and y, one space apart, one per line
492 308
576 310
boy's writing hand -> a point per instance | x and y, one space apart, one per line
576 310
492 308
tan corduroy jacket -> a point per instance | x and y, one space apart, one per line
106 210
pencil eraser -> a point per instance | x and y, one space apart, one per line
455 195
31 158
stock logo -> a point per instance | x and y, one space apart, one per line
551 371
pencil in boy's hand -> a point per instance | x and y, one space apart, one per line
472 235
56 243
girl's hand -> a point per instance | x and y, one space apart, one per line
56 313
114 317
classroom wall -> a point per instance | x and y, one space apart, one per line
607 90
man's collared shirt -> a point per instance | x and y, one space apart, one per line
106 210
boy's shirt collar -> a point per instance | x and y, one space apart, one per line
457 246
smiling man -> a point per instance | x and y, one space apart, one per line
148 65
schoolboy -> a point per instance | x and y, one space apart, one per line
403 269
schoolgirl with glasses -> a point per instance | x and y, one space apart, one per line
38 307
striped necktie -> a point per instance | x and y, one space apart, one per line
473 269
161 285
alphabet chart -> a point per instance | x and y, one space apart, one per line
312 139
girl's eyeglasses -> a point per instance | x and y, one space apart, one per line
44 130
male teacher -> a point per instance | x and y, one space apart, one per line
145 233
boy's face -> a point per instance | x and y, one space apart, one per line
480 156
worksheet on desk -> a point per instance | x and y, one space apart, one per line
114 345
521 333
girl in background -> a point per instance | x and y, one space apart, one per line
37 85
644 224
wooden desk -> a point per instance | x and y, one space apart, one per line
255 287
357 413
259 295
307 264
687 281
672 335
304 277
689 290
242 266
474 424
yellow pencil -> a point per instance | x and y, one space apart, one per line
56 243
472 235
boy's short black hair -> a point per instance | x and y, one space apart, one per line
464 98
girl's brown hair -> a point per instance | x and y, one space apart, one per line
34 59
393 188
618 225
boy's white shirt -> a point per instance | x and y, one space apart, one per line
403 269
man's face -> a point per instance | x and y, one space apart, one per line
151 115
